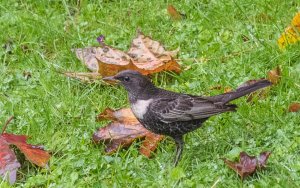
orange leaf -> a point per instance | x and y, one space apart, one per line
150 144
227 89
294 107
34 154
291 34
174 13
123 130
274 75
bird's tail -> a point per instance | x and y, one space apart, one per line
241 91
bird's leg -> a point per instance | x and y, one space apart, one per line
179 147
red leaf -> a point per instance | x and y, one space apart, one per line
8 162
263 157
248 164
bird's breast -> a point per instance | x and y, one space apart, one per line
140 107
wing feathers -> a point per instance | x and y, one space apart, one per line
185 108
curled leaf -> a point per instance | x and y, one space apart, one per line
248 165
123 130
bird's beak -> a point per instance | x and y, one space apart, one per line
111 79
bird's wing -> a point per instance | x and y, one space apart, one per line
185 108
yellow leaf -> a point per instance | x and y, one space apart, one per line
291 34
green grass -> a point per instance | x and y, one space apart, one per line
59 112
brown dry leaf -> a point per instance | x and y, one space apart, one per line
294 107
248 165
150 56
123 130
174 14
274 75
291 34
145 55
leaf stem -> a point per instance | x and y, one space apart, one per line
6 123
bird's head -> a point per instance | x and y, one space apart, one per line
134 82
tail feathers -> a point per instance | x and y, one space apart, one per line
241 91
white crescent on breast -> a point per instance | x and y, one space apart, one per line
139 108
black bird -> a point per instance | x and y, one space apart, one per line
175 114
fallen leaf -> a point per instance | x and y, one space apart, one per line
248 165
262 160
291 34
227 89
150 144
35 154
151 57
123 130
145 55
174 14
8 161
274 75
294 107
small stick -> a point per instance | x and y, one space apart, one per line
6 123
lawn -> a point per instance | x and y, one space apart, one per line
221 43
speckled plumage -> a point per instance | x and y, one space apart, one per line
175 114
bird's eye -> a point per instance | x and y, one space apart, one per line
126 78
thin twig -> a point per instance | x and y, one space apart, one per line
6 123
